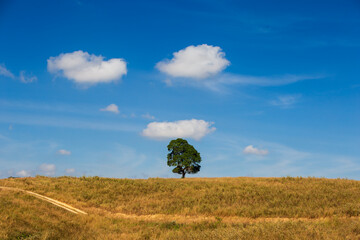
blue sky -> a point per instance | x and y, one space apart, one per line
101 87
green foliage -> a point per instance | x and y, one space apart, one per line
183 157
171 225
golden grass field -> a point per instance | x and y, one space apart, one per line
192 208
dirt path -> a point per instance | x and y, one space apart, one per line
229 220
47 199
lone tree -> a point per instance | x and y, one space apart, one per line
183 157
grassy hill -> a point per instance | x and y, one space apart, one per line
193 208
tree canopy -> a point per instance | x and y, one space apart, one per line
183 157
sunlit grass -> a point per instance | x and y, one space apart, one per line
325 208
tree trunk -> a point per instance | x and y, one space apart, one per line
183 174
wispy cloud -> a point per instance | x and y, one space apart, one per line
23 77
222 82
264 81
81 111
24 173
5 72
339 166
63 152
41 120
286 101
282 160
47 169
148 116
118 160
202 66
27 78
4 138
70 171
25 157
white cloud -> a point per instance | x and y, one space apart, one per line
23 173
5 72
85 68
197 62
201 66
252 150
148 116
286 100
27 79
111 108
193 128
63 152
47 169
70 171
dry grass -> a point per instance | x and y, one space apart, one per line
197 208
